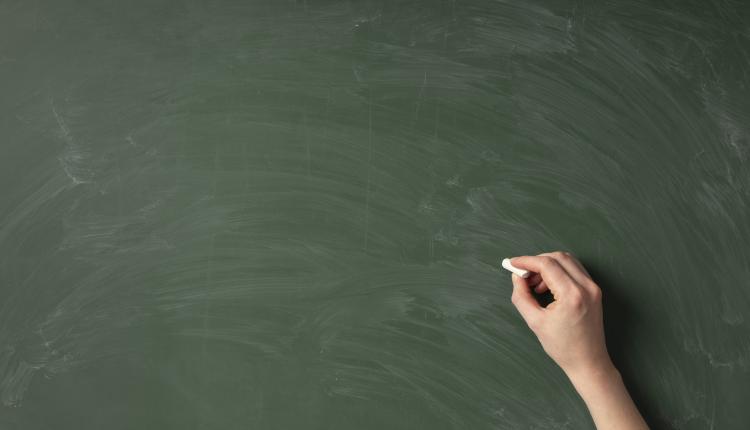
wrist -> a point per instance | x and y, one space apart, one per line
602 389
594 373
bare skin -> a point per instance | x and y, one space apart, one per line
571 331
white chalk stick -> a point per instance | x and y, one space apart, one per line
520 272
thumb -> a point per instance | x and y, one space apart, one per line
525 303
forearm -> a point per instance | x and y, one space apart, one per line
607 399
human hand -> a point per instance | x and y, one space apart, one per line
571 331
571 328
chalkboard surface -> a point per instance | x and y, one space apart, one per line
290 214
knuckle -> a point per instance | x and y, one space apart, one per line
547 262
575 298
596 293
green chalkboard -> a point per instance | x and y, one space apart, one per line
276 214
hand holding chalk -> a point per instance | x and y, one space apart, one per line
571 331
570 328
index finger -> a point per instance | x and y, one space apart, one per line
553 274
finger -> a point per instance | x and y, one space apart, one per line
533 280
570 264
574 268
525 303
541 288
553 274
